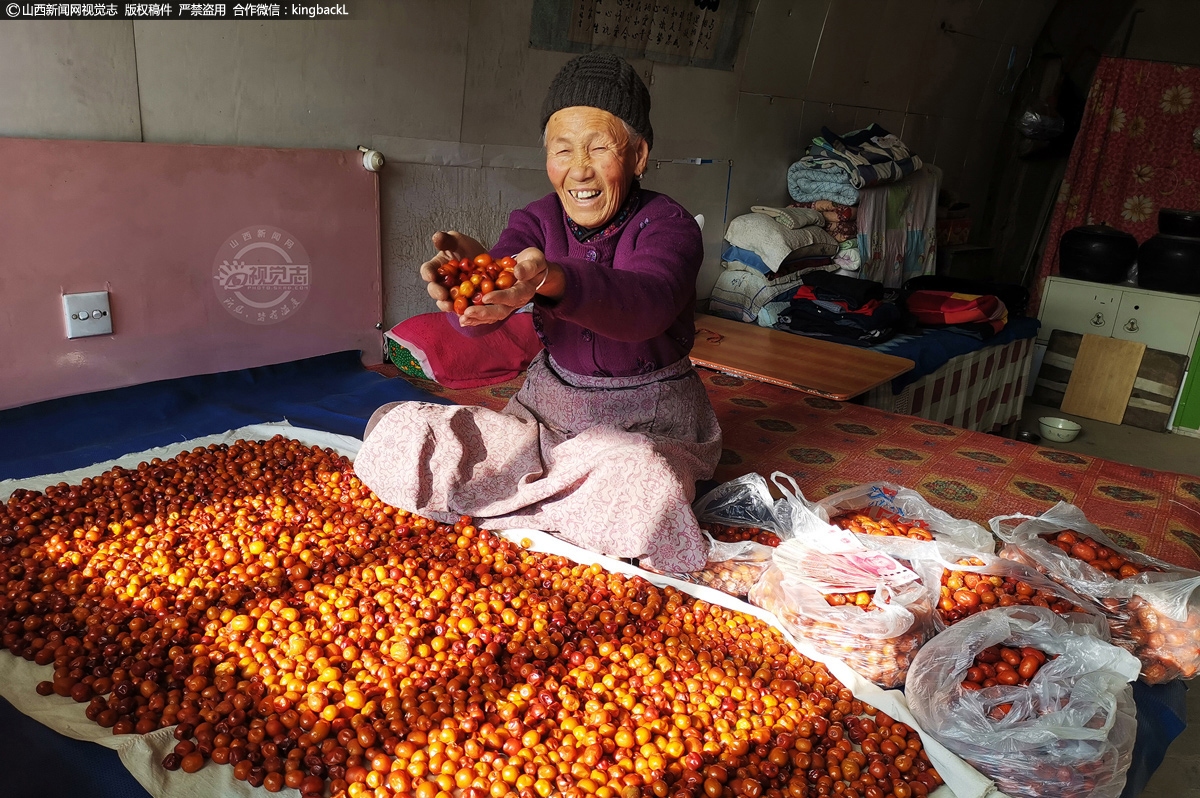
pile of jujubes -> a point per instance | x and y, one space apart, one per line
288 623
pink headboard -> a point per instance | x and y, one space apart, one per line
215 258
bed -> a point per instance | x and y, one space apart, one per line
957 379
970 384
825 445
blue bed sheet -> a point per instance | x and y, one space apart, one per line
931 349
332 393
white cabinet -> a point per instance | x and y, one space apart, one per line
1168 322
1163 322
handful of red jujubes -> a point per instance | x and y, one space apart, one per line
469 281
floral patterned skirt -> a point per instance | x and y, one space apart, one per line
607 463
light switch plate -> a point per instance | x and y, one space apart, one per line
87 314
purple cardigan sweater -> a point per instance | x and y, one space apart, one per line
630 295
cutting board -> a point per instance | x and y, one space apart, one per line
1102 379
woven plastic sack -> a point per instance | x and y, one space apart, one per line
878 643
1070 732
1154 614
883 500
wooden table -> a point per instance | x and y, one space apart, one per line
835 371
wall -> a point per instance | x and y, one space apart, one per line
449 90
158 226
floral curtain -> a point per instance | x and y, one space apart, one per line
1138 150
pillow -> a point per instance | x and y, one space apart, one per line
741 295
773 242
793 218
806 265
744 259
429 345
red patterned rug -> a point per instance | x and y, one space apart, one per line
828 446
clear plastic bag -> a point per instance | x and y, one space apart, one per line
1041 122
732 568
804 522
962 581
742 502
879 643
740 508
1155 613
1069 732
883 500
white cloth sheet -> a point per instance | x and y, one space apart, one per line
142 754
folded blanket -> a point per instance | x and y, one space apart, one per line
839 219
971 314
458 361
810 180
869 156
792 218
774 243
826 207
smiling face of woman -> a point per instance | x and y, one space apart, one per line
591 162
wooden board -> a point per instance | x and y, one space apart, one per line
823 368
1103 377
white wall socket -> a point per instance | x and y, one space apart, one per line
87 314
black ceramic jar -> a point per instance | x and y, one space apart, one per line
1097 252
1170 261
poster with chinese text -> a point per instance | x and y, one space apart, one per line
701 33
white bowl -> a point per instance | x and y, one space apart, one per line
1058 429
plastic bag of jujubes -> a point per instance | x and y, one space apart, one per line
875 627
1059 721
884 509
741 531
970 582
1152 607
875 632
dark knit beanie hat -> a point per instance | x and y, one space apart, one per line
604 81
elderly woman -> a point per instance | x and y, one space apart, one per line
606 439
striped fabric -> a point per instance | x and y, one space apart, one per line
981 390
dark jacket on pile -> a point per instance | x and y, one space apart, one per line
841 309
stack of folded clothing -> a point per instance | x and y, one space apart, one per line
842 309
837 167
839 219
841 223
768 251
832 176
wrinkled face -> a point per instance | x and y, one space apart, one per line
591 162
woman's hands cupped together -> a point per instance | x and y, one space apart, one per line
534 275
450 246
